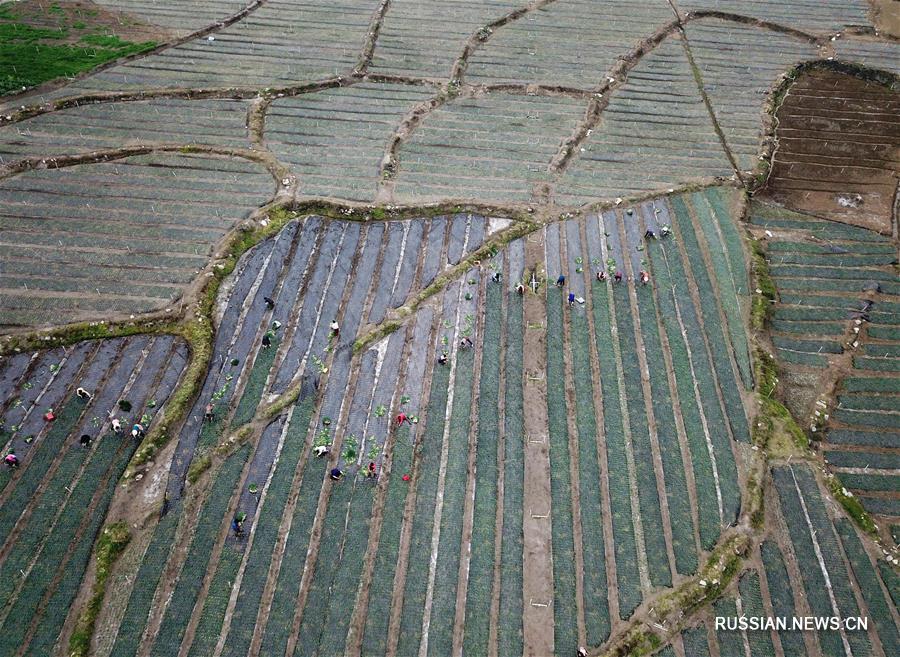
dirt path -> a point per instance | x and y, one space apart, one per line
609 550
537 571
574 439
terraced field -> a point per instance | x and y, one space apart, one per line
488 287
838 309
70 461
814 564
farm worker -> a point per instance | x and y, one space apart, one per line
466 342
269 303
237 526
50 415
83 394
208 413
520 290
116 425
442 359
645 277
85 440
267 340
496 276
336 474
11 460
571 299
335 327
406 477
560 281
137 431
618 276
650 235
321 450
370 471
601 275
581 652
666 230
403 418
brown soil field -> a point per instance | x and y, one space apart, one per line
838 152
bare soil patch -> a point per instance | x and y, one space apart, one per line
838 153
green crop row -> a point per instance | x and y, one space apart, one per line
131 628
206 533
681 520
265 534
648 492
314 612
879 608
440 640
831 285
884 506
878 460
596 605
865 438
701 463
726 257
721 361
884 332
834 260
381 590
256 382
509 626
882 350
345 578
868 418
43 452
803 358
627 574
695 641
563 542
891 580
481 566
214 607
287 589
752 606
709 393
423 521
810 346
732 237
730 643
872 384
53 558
876 364
807 327
824 272
813 579
864 402
826 230
871 482
781 595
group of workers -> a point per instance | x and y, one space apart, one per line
12 460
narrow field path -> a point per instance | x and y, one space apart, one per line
537 566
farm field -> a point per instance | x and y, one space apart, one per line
415 329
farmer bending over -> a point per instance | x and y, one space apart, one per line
83 394
11 460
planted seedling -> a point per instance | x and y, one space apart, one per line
28 385
235 362
404 399
374 450
253 488
323 438
319 365
54 368
326 421
380 410
350 446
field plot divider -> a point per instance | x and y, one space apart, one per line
36 443
680 428
376 276
574 438
28 370
609 549
442 470
299 299
661 490
493 631
643 566
236 584
361 599
309 567
471 468
767 606
820 561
